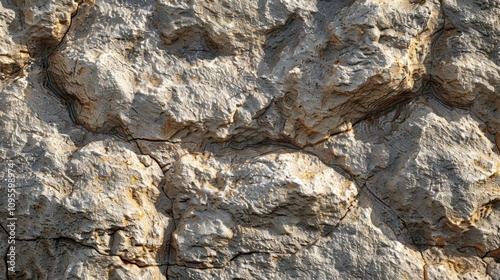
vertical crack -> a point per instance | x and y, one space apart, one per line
405 226
372 194
329 232
48 82
169 249
437 36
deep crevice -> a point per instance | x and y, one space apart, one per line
48 82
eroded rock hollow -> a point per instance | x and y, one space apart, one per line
232 139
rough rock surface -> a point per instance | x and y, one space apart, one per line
277 139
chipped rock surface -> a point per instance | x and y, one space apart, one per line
297 139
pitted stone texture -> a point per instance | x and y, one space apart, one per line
47 21
125 75
274 127
65 259
296 70
13 53
458 263
104 199
462 73
117 191
100 196
437 167
371 55
466 60
255 202
360 247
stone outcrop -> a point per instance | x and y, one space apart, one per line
308 139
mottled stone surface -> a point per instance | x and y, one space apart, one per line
301 139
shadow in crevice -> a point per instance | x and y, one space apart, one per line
195 43
419 193
278 39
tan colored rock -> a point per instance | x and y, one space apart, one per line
224 210
299 139
13 55
441 177
100 197
63 258
194 51
361 246
46 22
466 61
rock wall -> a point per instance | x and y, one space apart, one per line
270 139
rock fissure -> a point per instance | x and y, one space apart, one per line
49 83
419 247
208 140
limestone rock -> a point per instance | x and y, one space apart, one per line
99 196
63 258
360 247
466 60
232 211
46 22
13 54
440 182
300 139
174 60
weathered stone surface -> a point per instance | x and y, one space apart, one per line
360 247
99 196
154 139
277 203
466 60
64 259
441 186
13 54
163 67
46 22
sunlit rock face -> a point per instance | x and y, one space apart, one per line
158 139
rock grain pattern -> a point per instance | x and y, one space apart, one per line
269 139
